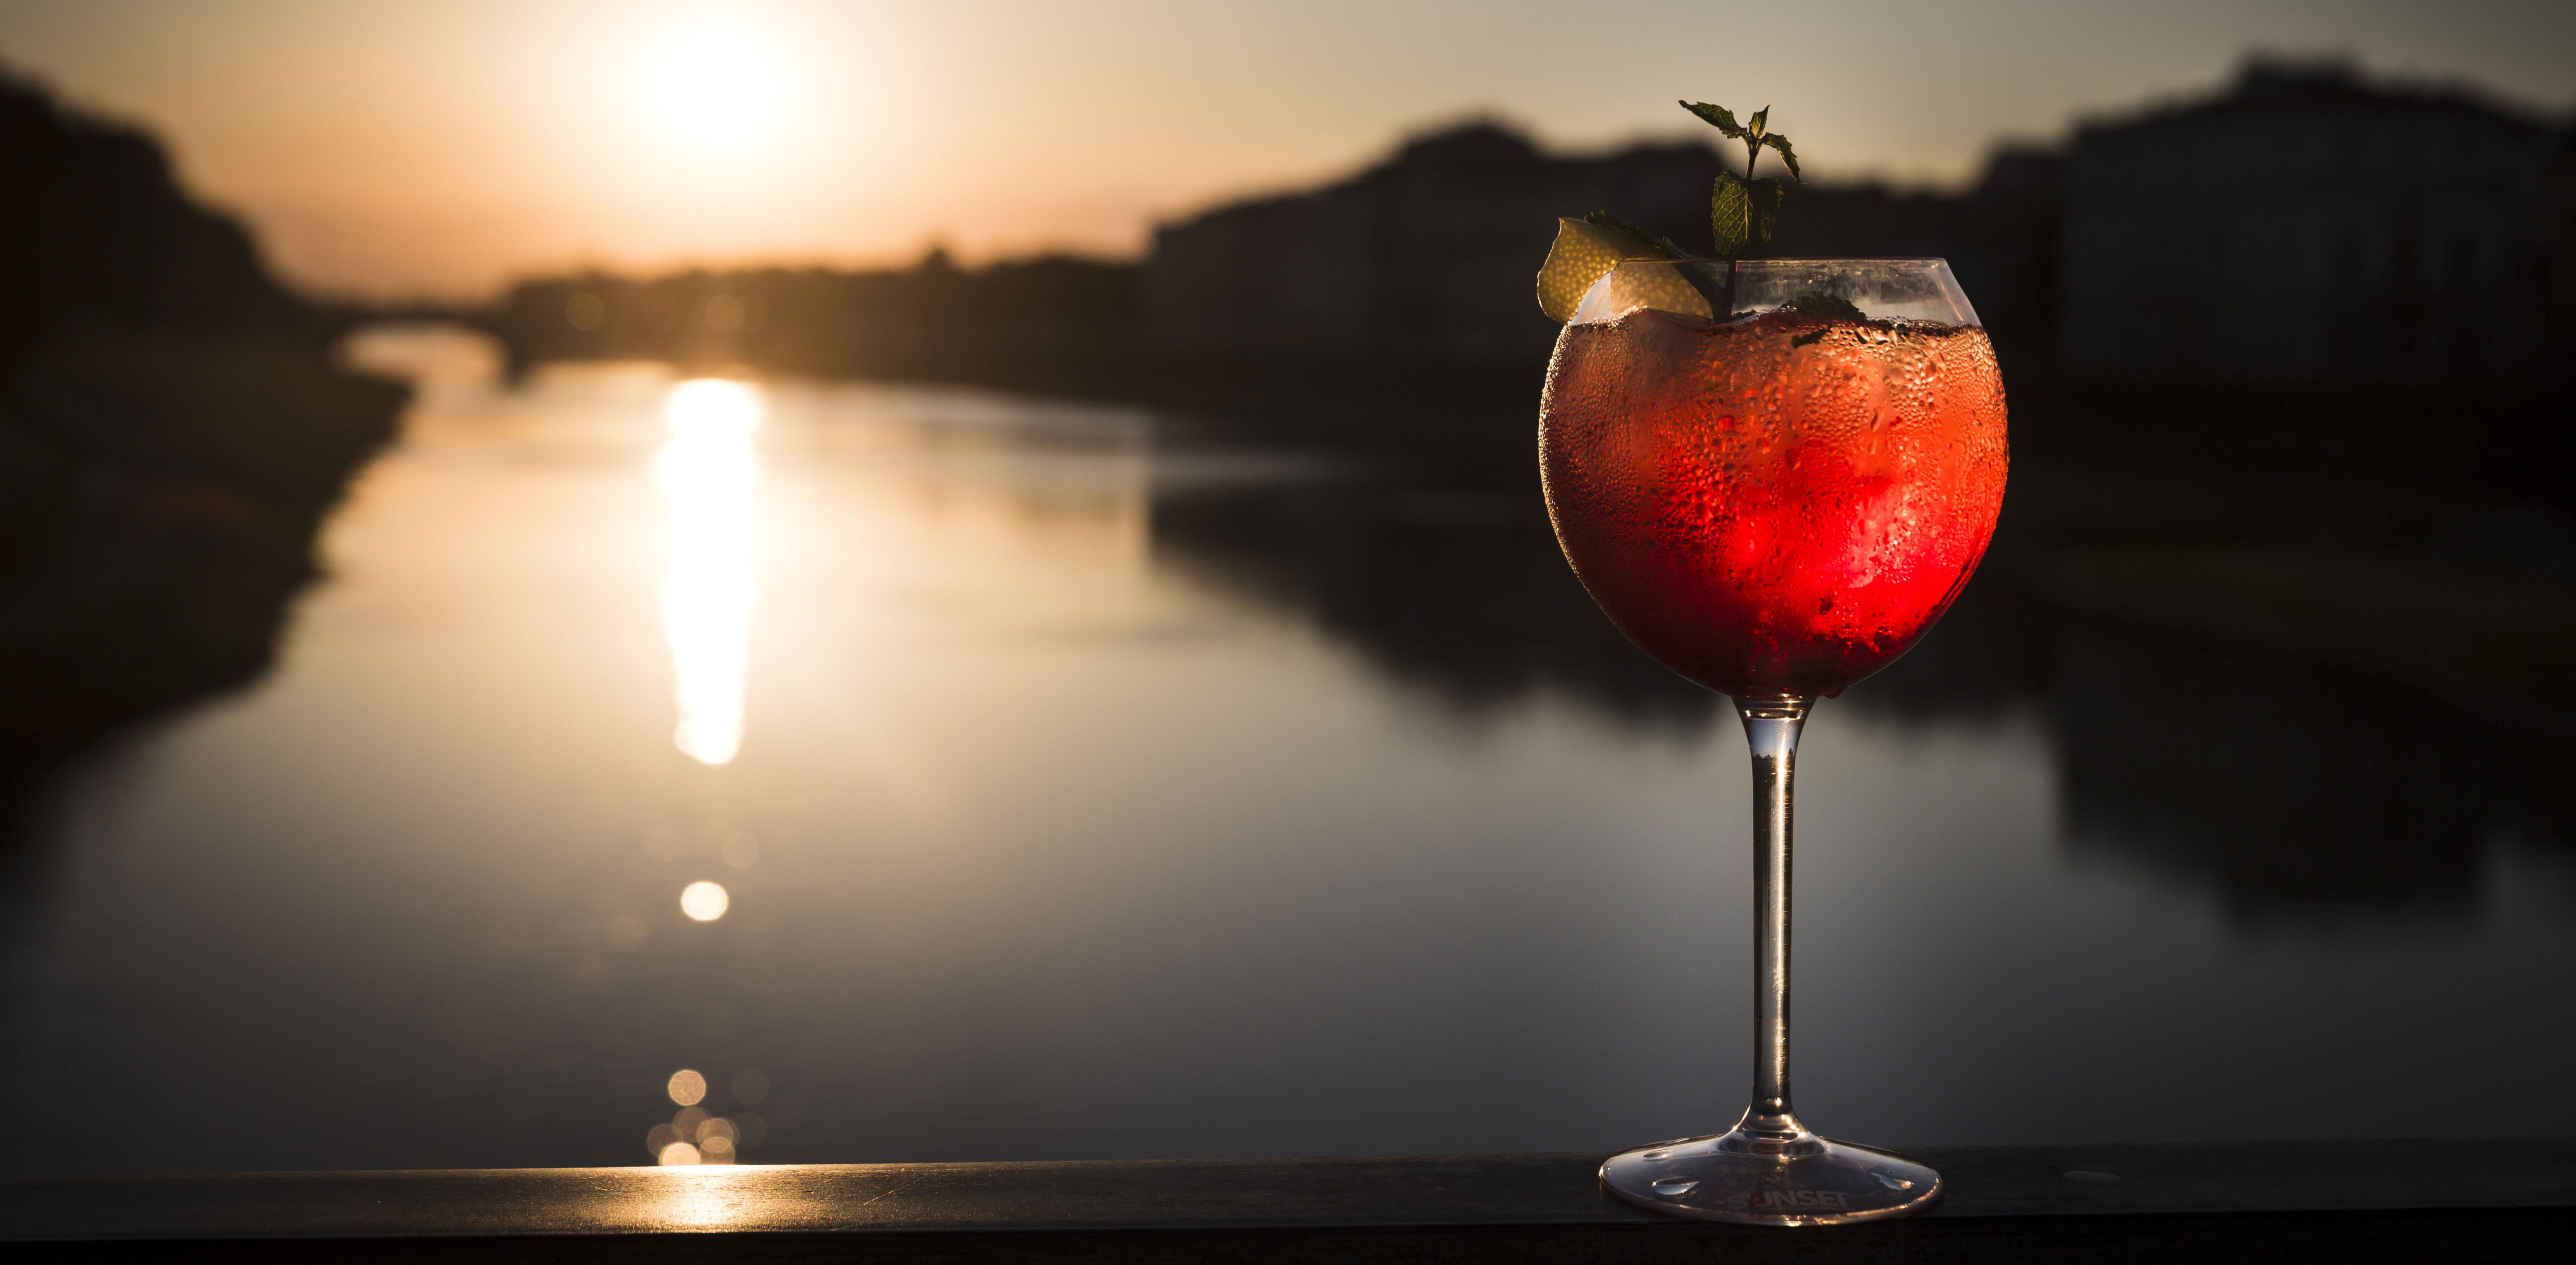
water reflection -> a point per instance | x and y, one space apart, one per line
1115 798
2292 792
1460 593
711 473
2296 793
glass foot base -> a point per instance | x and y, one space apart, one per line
1763 1181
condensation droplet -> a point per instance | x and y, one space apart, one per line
1675 1185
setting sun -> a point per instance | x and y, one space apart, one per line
714 81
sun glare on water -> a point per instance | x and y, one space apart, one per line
711 473
715 81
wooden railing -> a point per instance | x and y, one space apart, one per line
2328 1201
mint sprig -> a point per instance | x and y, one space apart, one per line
1742 211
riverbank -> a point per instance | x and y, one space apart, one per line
173 430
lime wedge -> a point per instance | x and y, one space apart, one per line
1636 283
1582 253
1585 253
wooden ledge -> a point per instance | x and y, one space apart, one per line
2372 1197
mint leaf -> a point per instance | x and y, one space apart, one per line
1767 193
1730 216
1816 305
1787 155
1719 117
1742 213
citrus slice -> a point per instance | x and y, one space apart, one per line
1636 283
1582 253
1585 253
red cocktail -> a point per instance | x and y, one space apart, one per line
1777 506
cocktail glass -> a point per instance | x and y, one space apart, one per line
1775 506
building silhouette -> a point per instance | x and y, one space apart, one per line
2306 227
1428 253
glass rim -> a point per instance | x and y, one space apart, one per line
1821 259
1891 287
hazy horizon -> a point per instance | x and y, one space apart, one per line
443 150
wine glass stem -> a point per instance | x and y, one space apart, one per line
1771 727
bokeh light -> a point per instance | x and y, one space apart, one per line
695 1135
705 902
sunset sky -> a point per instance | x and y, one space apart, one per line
441 148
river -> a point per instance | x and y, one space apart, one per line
1074 785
